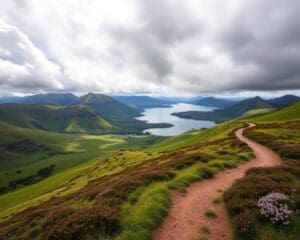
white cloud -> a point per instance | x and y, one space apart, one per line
149 45
22 65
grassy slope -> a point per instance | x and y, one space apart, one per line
258 111
78 119
70 154
289 113
192 137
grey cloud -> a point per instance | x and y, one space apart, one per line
164 25
168 21
265 34
254 48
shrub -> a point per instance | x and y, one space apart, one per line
245 222
275 207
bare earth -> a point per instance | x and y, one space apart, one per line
186 216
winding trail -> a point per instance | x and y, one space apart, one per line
186 216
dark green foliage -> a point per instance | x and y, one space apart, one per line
25 146
45 172
41 174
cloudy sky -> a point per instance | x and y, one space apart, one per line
149 46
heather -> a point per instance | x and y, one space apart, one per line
262 199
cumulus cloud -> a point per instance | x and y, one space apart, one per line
150 46
22 65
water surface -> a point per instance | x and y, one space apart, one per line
180 125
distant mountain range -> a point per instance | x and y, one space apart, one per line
238 109
213 102
97 113
65 112
142 102
283 101
52 98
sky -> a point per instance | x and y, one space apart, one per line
150 46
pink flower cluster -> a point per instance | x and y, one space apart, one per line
274 207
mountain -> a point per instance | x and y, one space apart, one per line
53 98
141 102
213 102
109 107
284 101
71 119
11 99
234 111
49 98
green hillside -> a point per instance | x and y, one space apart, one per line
289 113
71 119
24 151
258 111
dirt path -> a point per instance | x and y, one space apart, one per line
186 216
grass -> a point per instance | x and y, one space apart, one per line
217 200
202 238
185 177
258 111
210 213
205 229
141 213
290 113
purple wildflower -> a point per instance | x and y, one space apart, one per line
274 207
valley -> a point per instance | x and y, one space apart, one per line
77 185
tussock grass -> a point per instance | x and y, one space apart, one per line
140 214
205 229
217 200
210 213
202 238
185 177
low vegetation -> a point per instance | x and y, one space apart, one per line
210 213
242 202
279 186
205 229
